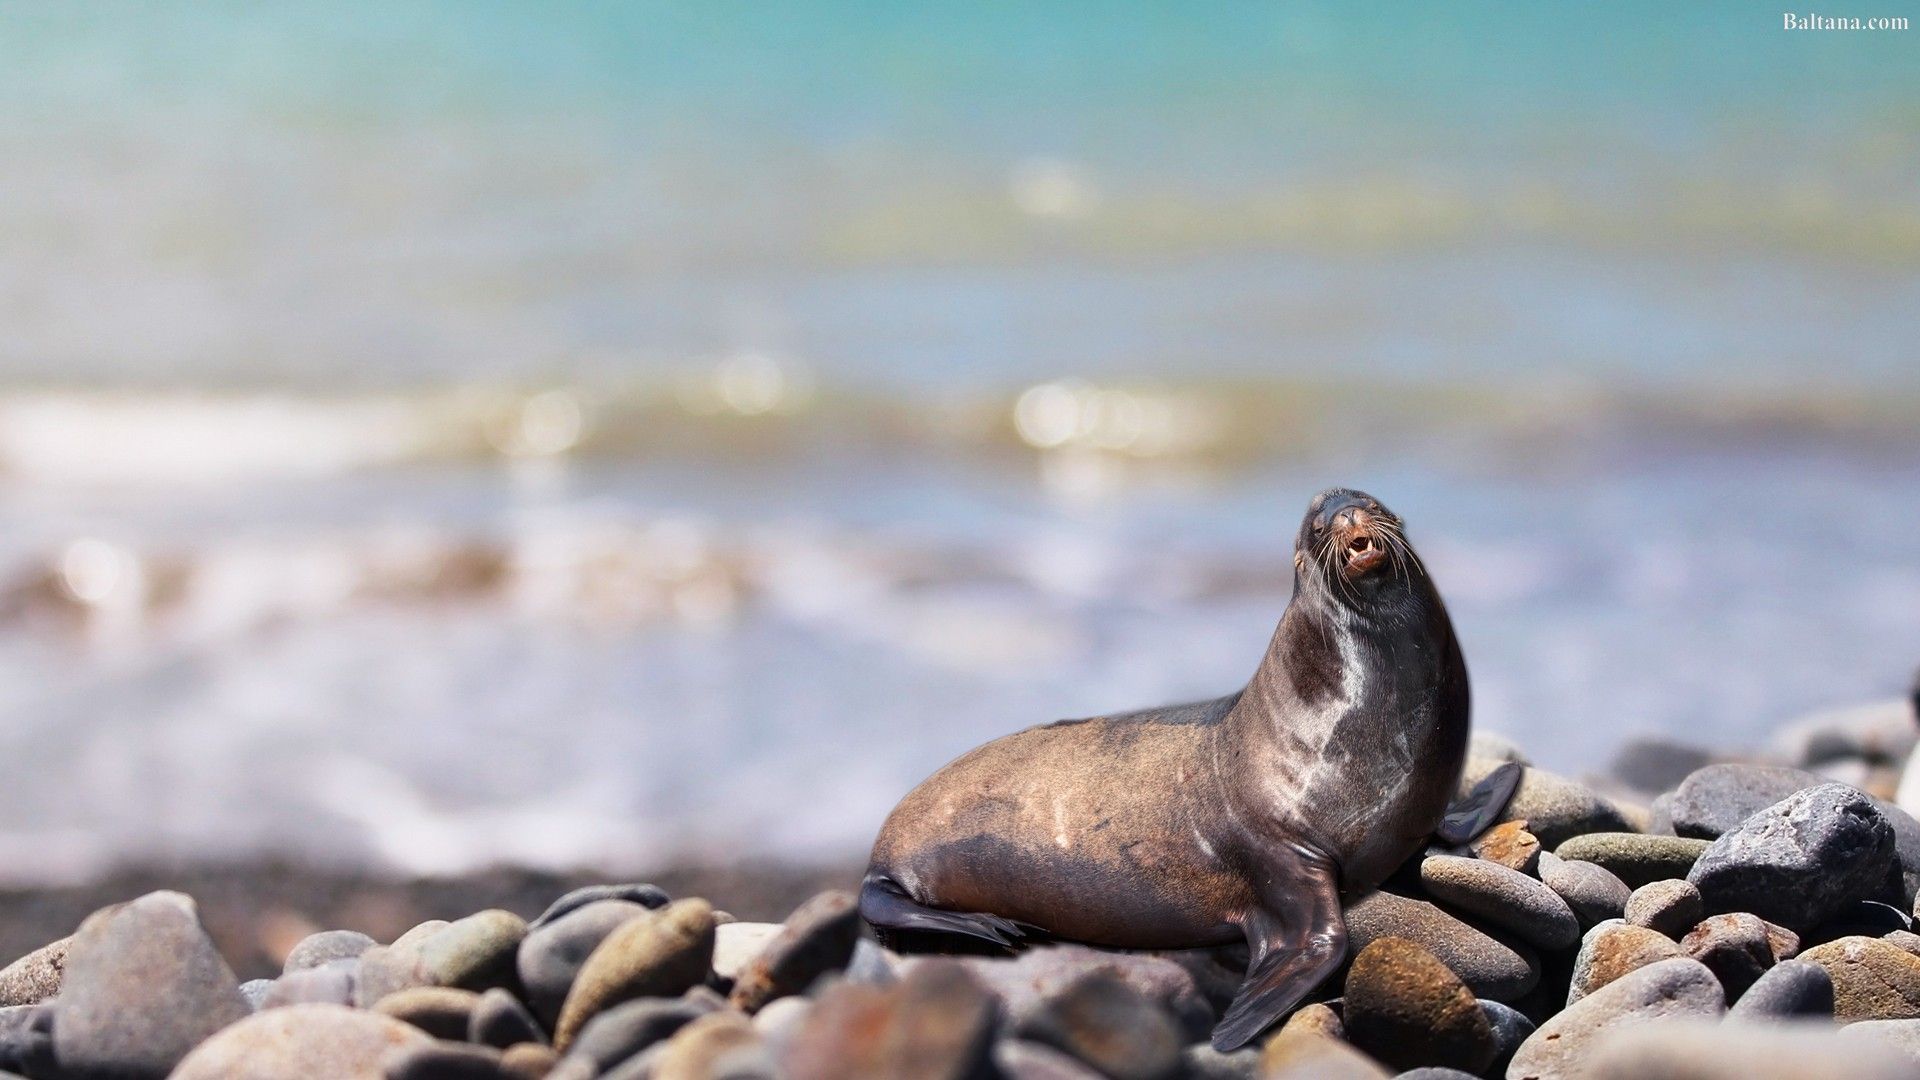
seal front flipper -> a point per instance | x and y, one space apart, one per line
887 907
1296 941
1480 809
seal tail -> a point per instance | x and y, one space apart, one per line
888 908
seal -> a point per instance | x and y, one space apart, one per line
1249 817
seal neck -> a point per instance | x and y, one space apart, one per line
1327 656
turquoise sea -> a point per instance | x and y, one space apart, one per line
435 433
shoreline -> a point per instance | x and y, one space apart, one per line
256 911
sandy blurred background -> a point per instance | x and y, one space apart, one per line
608 438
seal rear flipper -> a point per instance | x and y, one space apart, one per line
887 907
1480 809
1296 944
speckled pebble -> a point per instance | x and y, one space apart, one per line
1593 892
659 955
1791 988
1491 968
1635 858
325 947
1503 896
1613 949
1669 989
1669 907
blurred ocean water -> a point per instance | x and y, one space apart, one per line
438 434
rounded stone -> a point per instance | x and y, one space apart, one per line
1403 1007
1900 1036
1791 988
444 1061
660 955
550 956
1698 1050
1593 892
1316 1057
1800 860
1110 1026
1202 1062
1502 896
331 984
1872 980
817 938
720 1044
1023 1059
1026 983
499 1020
1669 907
1511 845
1491 968
475 953
1635 858
626 1030
1716 799
1510 1028
1613 949
1667 990
647 896
735 943
1554 807
1652 765
35 977
325 947
1736 947
528 1061
143 986
937 1022
443 1012
301 1042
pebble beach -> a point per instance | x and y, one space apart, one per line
1678 914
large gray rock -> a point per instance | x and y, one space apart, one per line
1800 860
302 1042
1502 896
144 985
1491 968
1715 799
1670 989
1695 1050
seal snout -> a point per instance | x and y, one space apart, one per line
1357 537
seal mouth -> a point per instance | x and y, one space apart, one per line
1357 537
